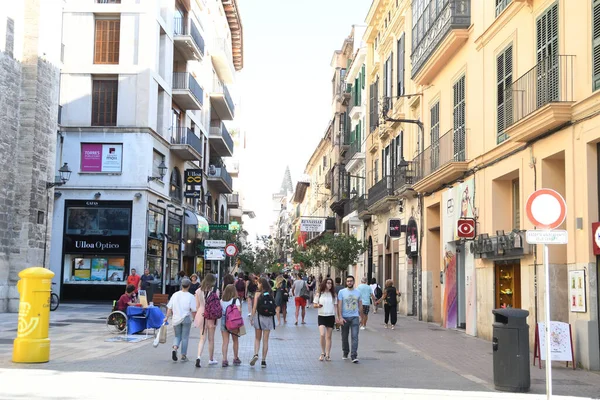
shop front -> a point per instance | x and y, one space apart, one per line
174 237
195 230
96 249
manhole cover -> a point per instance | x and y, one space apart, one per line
6 341
386 351
86 321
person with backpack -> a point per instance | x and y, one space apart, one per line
251 286
182 306
262 319
377 292
240 287
231 321
300 292
281 299
209 310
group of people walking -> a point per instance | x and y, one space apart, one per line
342 307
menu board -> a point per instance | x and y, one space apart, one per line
577 300
81 270
99 269
116 269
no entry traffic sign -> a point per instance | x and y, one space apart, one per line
546 209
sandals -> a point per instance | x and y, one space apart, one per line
322 357
327 358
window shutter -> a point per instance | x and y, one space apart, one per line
504 71
106 46
596 45
401 56
104 102
459 120
362 75
547 56
435 136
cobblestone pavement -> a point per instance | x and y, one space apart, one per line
416 355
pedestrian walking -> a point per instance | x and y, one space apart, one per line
134 279
390 303
240 287
312 284
263 320
207 326
228 279
251 287
300 293
367 298
349 312
377 292
195 285
326 302
338 287
182 306
281 299
230 299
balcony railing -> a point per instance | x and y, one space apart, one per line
185 81
350 206
355 147
550 81
381 189
362 203
404 176
449 148
186 136
438 18
219 127
233 199
220 173
186 27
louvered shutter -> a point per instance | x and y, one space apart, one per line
596 45
371 106
401 56
390 87
435 136
459 120
547 56
504 75
106 41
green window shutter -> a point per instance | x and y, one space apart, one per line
596 44
547 56
504 75
459 120
362 75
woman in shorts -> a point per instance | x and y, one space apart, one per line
326 302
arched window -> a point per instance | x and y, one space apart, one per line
175 189
222 212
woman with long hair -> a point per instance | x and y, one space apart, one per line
207 327
227 280
251 286
326 302
263 323
281 298
229 297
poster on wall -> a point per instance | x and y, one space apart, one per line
577 300
561 348
99 269
99 157
116 269
81 272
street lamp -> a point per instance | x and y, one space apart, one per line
63 177
162 171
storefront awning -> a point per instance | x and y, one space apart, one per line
191 218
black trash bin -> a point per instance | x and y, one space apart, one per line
510 345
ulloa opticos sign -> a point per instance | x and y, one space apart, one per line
84 244
94 244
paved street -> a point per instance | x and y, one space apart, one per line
415 356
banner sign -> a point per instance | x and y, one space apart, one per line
99 157
312 224
93 244
193 183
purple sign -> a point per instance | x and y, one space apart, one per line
91 157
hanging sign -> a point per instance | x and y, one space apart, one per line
312 224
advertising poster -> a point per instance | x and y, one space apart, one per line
98 157
99 269
82 268
560 341
577 300
116 269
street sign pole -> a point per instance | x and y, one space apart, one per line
547 333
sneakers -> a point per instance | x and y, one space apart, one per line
237 361
184 358
362 328
385 326
393 327
174 355
225 363
254 360
197 363
345 356
355 360
213 362
263 364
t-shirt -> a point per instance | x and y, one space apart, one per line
365 294
183 304
133 280
350 299
225 304
122 303
297 287
328 301
146 281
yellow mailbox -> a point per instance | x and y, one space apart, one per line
32 344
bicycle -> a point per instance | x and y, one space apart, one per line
54 299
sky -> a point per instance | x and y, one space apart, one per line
285 90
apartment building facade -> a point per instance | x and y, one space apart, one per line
146 96
500 100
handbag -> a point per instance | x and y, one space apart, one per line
242 330
161 336
304 292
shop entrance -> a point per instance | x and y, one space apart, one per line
508 284
461 289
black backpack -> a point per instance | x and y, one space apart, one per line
378 292
266 305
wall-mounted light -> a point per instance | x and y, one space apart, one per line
138 195
97 195
64 175
162 171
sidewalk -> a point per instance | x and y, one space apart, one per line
416 355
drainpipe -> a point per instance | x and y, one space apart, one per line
532 164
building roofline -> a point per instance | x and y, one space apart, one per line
234 20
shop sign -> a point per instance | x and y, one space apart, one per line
93 244
99 157
412 238
312 224
215 243
218 227
193 183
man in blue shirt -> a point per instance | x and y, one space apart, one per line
349 312
366 295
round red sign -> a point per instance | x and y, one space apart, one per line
546 209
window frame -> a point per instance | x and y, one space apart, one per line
96 119
103 52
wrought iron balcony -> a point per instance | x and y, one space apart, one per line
350 206
187 93
355 147
187 38
185 144
381 189
447 155
362 207
404 177
437 20
233 200
547 88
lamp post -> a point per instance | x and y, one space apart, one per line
63 177
162 171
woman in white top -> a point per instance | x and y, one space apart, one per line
182 306
326 302
229 297
207 326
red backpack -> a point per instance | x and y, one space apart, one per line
212 306
233 317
